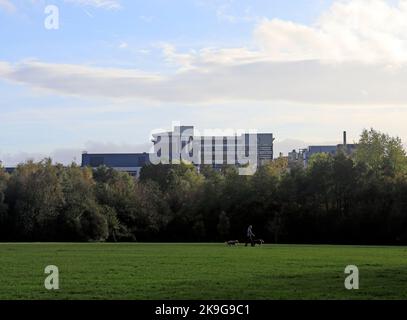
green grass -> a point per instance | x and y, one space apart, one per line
201 271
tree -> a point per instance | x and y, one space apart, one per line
275 226
4 219
94 225
382 154
185 185
345 179
133 209
223 225
35 197
117 190
81 218
157 173
320 177
355 199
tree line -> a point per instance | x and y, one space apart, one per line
349 199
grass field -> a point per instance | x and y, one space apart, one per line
201 271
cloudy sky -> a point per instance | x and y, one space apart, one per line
117 69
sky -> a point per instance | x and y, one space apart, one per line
115 70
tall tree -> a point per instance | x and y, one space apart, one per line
35 197
381 153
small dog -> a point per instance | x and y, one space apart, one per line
232 243
259 241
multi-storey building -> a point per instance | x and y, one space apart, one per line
182 144
170 147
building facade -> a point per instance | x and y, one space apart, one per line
182 144
302 156
127 162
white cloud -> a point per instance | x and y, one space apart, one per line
7 5
223 13
354 54
230 11
4 68
105 4
296 81
367 31
147 19
99 147
123 45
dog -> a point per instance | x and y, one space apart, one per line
259 241
231 243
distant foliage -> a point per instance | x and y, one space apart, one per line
351 199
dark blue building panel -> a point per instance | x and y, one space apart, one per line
115 160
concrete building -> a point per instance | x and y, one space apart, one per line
302 156
127 162
182 143
297 158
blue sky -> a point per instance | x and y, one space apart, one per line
86 29
117 69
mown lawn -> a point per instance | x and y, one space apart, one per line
201 271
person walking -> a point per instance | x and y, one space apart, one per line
250 236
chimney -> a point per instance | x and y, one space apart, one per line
344 139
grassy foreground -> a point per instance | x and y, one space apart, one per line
201 271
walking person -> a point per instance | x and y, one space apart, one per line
250 236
